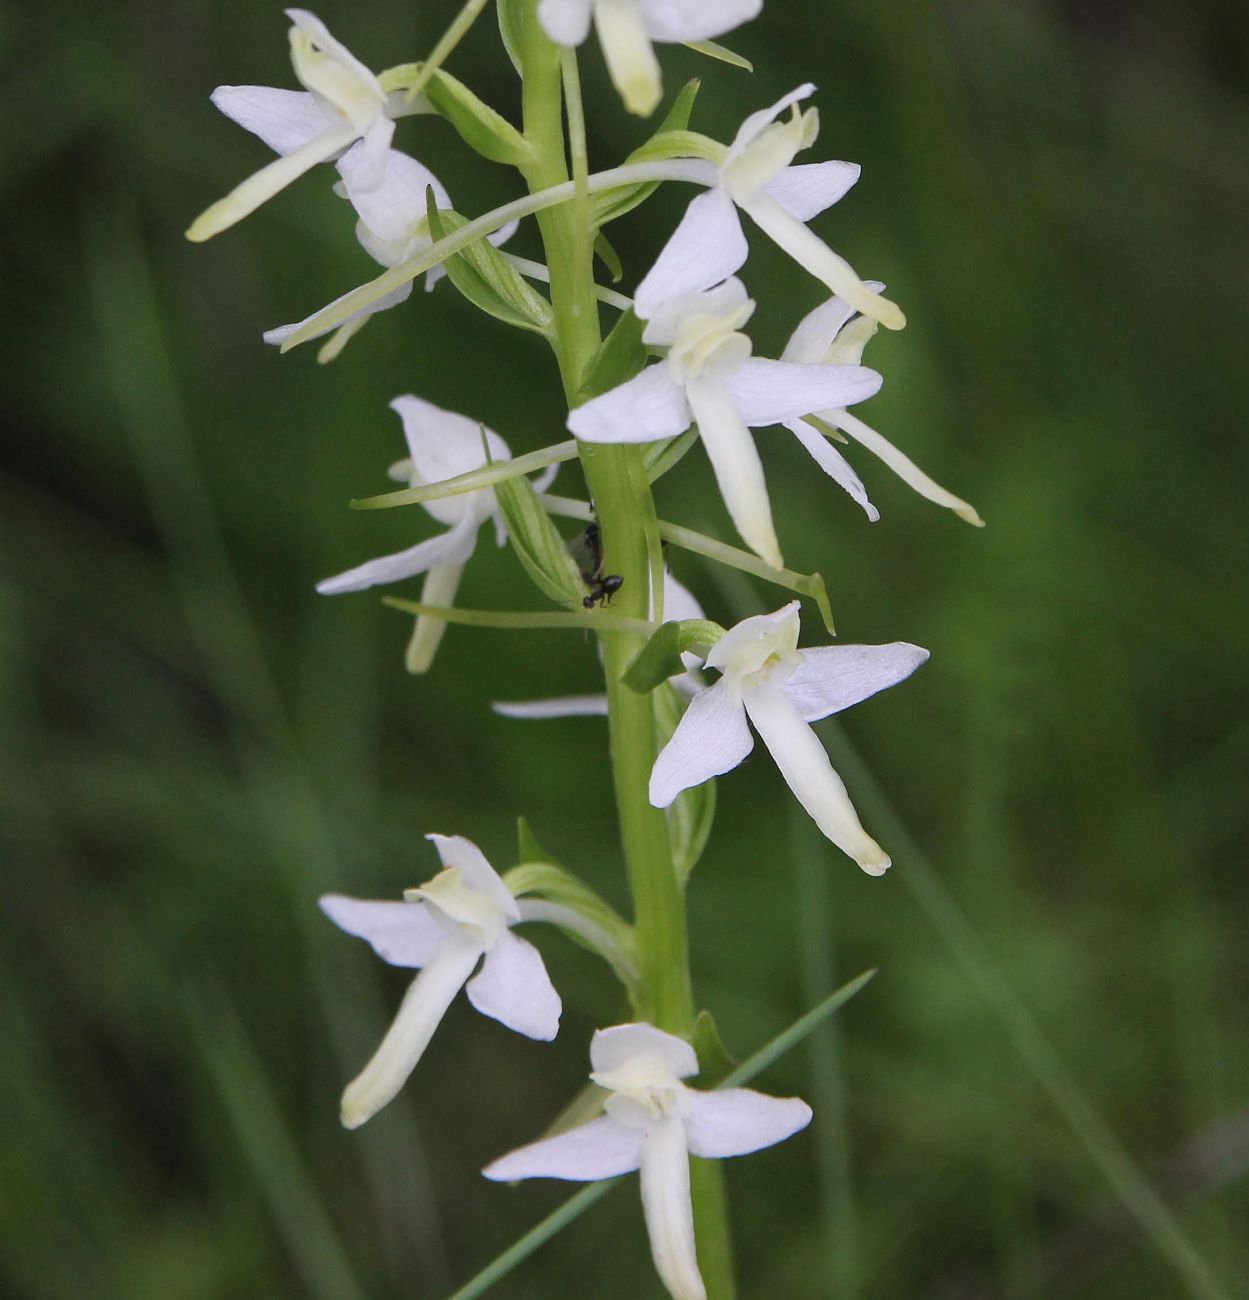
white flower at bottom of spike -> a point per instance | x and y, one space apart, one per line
626 29
833 334
444 928
710 377
343 107
654 1123
782 689
757 177
441 445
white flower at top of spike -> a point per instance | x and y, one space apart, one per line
392 227
782 689
441 445
654 1123
627 28
443 929
709 377
833 334
758 177
343 106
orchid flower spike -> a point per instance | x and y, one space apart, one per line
679 604
626 29
441 445
343 107
757 177
834 334
710 377
654 1123
782 689
443 929
392 227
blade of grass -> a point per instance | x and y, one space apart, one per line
1035 1050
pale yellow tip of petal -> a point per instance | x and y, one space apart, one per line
970 514
890 315
641 97
352 1116
875 863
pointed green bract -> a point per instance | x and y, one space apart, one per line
714 1060
481 128
538 545
621 356
660 657
487 279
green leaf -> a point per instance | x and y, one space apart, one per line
606 253
538 545
660 657
487 279
620 356
714 1061
480 127
515 620
607 207
691 814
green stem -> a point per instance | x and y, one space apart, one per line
617 481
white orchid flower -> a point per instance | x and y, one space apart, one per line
833 334
443 929
343 107
441 445
757 177
679 604
627 28
392 227
710 377
654 1123
782 689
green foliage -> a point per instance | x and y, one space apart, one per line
480 127
660 657
538 545
487 279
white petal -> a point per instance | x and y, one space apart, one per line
735 460
645 408
833 463
712 738
443 445
833 677
680 603
904 467
462 854
285 120
748 645
727 301
439 588
374 150
566 22
563 706
809 343
631 61
453 547
612 1048
758 122
737 1121
261 186
770 392
514 989
420 1013
403 934
805 190
669 1210
394 205
673 21
808 773
279 335
600 1149
325 65
707 247
815 256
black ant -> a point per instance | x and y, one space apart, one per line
588 552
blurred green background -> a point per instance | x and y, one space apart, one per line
195 744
